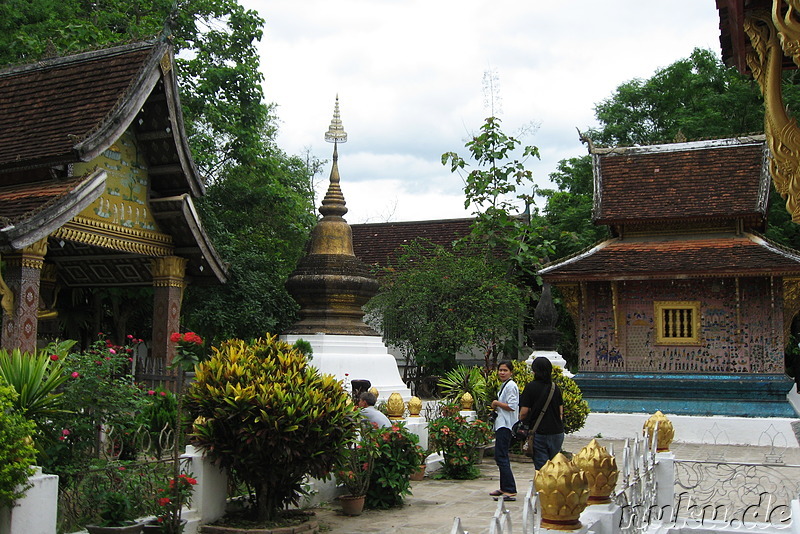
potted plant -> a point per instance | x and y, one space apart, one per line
171 499
115 511
355 469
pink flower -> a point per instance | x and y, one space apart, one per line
65 432
130 359
54 357
112 351
163 393
75 374
151 392
98 362
129 336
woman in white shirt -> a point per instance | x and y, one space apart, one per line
506 406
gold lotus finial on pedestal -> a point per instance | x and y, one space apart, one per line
374 391
666 432
563 493
467 401
601 471
414 406
395 406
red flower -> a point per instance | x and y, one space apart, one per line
163 501
75 374
151 392
175 337
54 357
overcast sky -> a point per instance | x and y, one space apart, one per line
409 75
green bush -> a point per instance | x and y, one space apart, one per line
270 418
99 393
398 456
575 408
17 453
460 442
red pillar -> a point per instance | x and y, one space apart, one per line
22 276
168 283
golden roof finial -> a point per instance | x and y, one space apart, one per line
336 133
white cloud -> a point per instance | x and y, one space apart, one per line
409 76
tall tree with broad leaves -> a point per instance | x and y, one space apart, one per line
257 209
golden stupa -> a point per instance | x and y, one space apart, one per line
330 284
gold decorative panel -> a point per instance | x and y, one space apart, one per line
124 202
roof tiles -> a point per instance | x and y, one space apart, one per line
709 180
47 107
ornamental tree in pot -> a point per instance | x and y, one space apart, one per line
265 414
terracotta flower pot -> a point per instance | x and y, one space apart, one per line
352 504
419 474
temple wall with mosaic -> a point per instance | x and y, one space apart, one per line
124 202
741 327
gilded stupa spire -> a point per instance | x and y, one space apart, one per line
333 203
330 284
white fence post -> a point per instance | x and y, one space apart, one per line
37 511
210 494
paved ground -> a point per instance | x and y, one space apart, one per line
435 503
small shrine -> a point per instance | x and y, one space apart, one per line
96 188
687 307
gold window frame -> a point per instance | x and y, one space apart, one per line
677 338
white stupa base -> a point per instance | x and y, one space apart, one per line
554 357
356 358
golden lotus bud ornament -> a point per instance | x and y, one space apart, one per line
563 493
601 471
666 432
395 406
374 391
467 401
414 406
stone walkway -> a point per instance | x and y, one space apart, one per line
435 503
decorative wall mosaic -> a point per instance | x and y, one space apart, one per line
124 201
741 327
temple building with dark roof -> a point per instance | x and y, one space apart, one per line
97 186
687 306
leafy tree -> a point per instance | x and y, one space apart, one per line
436 302
258 209
491 189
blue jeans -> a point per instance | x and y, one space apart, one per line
502 442
545 447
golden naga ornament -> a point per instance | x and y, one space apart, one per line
467 401
414 406
395 406
563 493
666 432
601 471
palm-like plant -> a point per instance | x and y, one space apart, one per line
35 378
462 380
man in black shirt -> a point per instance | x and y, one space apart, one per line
549 435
